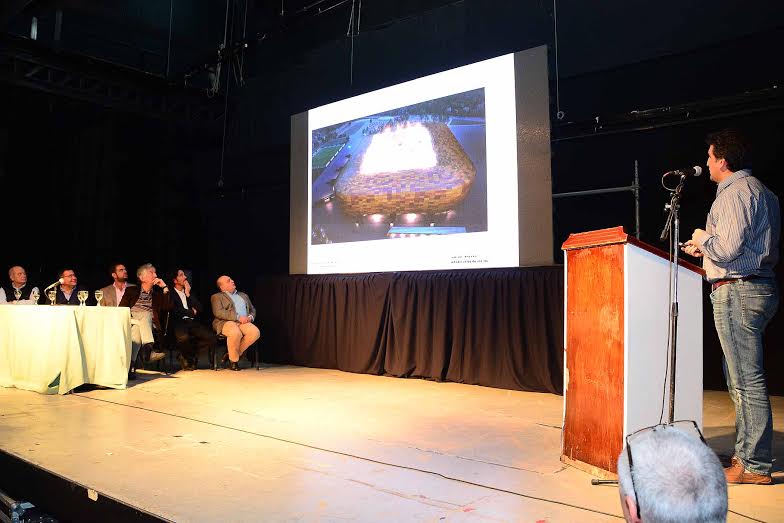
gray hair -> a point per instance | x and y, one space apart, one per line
677 478
144 268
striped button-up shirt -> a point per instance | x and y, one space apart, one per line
743 230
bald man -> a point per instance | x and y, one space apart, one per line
18 277
234 316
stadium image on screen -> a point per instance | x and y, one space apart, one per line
414 171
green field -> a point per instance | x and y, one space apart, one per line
322 157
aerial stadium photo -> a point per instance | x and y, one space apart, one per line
413 171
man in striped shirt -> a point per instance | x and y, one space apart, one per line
739 248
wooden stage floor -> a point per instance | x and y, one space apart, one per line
299 444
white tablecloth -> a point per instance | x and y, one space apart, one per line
53 350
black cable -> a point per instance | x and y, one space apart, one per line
354 456
669 335
669 318
168 49
244 39
559 114
226 24
745 516
228 85
350 34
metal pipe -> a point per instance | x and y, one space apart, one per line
593 191
634 188
637 197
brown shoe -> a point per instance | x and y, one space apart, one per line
738 475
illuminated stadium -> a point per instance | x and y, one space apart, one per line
421 166
418 168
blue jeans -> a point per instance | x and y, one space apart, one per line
741 311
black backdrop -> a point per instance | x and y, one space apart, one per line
497 327
83 185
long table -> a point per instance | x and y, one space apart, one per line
53 350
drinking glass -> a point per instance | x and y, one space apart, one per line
52 295
99 296
82 295
34 296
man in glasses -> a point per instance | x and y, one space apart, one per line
668 474
739 248
68 291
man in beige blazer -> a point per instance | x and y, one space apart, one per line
234 316
113 293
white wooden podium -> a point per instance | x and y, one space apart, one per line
616 372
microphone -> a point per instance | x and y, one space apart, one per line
689 171
58 282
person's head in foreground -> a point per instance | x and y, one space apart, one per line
674 478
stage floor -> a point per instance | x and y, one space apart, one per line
298 444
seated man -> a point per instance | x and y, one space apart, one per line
192 336
674 477
68 291
18 277
147 301
234 315
113 294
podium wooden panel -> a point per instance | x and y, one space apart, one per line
615 345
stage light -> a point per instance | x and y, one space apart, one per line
376 218
411 217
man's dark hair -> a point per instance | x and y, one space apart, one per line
62 271
173 273
731 145
113 267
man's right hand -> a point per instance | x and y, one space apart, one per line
692 249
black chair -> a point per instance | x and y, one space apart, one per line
220 341
174 346
160 344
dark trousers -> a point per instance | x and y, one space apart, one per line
192 338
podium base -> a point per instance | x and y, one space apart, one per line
593 470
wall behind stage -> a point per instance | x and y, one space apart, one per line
84 186
612 61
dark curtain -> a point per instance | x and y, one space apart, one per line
88 186
500 327
333 322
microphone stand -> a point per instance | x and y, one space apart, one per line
672 229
